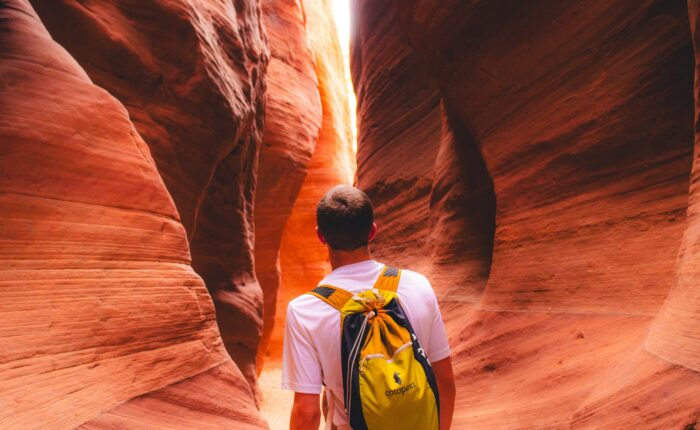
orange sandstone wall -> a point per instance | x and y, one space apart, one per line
671 374
292 123
86 201
303 259
104 322
675 336
192 76
534 162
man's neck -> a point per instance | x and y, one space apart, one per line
343 258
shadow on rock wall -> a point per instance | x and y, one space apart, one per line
105 324
566 130
192 77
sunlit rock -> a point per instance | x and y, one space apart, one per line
101 310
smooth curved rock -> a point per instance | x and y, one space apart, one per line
565 129
99 302
675 335
642 392
303 259
192 76
292 122
218 399
669 379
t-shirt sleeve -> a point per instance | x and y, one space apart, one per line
439 347
301 369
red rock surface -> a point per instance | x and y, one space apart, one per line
303 259
534 162
104 321
296 168
670 378
307 149
675 335
191 75
218 399
292 123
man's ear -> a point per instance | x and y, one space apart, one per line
320 236
372 232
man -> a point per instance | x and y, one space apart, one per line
311 358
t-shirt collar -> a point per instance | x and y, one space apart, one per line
349 267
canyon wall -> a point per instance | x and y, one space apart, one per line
105 324
293 120
303 259
675 335
534 161
307 149
191 75
136 155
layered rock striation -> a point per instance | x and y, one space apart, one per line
545 154
192 76
293 120
134 147
303 259
674 334
535 161
307 149
105 324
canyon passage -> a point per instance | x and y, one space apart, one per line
160 163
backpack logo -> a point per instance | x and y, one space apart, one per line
401 390
397 378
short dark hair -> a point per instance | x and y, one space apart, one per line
344 217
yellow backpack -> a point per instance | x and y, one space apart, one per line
387 379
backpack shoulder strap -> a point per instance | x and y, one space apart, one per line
334 296
389 279
337 297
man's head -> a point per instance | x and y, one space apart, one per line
345 218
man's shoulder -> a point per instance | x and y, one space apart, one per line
307 305
300 302
415 287
415 279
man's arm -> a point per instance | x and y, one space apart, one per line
306 412
446 388
301 371
438 349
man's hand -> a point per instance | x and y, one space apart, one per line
446 388
306 412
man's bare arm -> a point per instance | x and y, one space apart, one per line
446 388
306 412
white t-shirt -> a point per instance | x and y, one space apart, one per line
311 354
